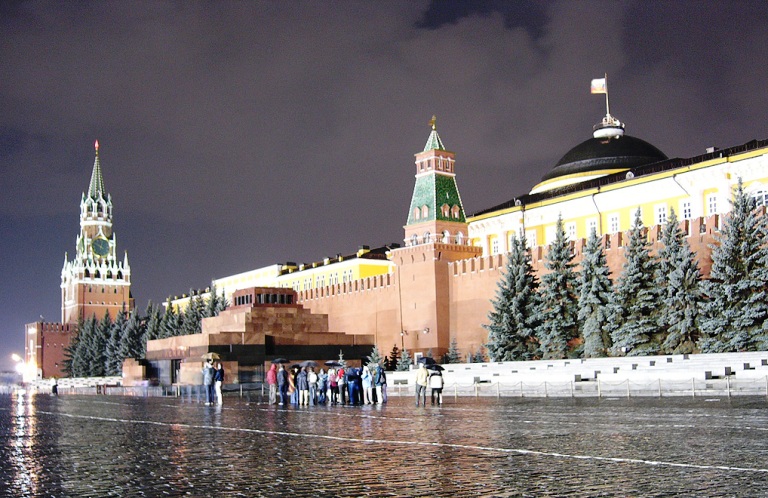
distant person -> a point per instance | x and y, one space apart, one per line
218 380
353 376
322 386
208 381
302 384
292 386
333 382
312 379
422 378
55 387
283 384
380 381
341 381
272 382
367 379
436 383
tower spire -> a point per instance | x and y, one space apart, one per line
96 188
434 142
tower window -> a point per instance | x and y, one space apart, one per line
424 211
416 213
445 209
455 212
427 237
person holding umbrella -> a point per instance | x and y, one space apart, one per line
422 377
272 382
208 381
282 384
436 383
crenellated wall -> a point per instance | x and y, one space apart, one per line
383 306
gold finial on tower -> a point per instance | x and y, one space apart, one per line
96 146
433 121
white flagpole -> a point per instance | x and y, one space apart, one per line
607 107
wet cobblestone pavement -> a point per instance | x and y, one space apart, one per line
123 446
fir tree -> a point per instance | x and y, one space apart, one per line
70 366
131 345
404 362
635 300
453 355
154 321
394 355
595 290
375 357
678 281
479 356
113 364
559 309
95 347
513 320
192 323
170 326
734 317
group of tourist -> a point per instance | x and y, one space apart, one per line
213 377
303 386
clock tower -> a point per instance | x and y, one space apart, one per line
95 282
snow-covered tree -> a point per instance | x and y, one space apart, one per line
595 291
635 300
512 327
734 317
559 309
133 337
678 281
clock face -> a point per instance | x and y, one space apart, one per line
100 246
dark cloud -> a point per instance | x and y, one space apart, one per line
240 134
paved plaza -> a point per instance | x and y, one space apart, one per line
131 446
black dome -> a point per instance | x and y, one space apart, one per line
599 154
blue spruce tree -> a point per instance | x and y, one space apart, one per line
678 281
595 291
734 317
635 299
559 309
513 320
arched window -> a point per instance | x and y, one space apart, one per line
424 211
459 238
414 240
446 237
455 212
416 213
427 237
445 210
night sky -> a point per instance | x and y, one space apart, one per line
236 135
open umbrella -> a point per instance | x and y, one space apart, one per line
280 360
211 356
435 366
332 363
308 363
427 360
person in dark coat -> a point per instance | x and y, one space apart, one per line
302 384
282 385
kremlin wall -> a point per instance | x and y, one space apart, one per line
436 287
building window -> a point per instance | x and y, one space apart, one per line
424 211
446 210
761 197
414 240
570 231
591 227
711 205
495 245
446 237
613 223
427 237
531 239
416 213
459 238
685 209
455 212
661 215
